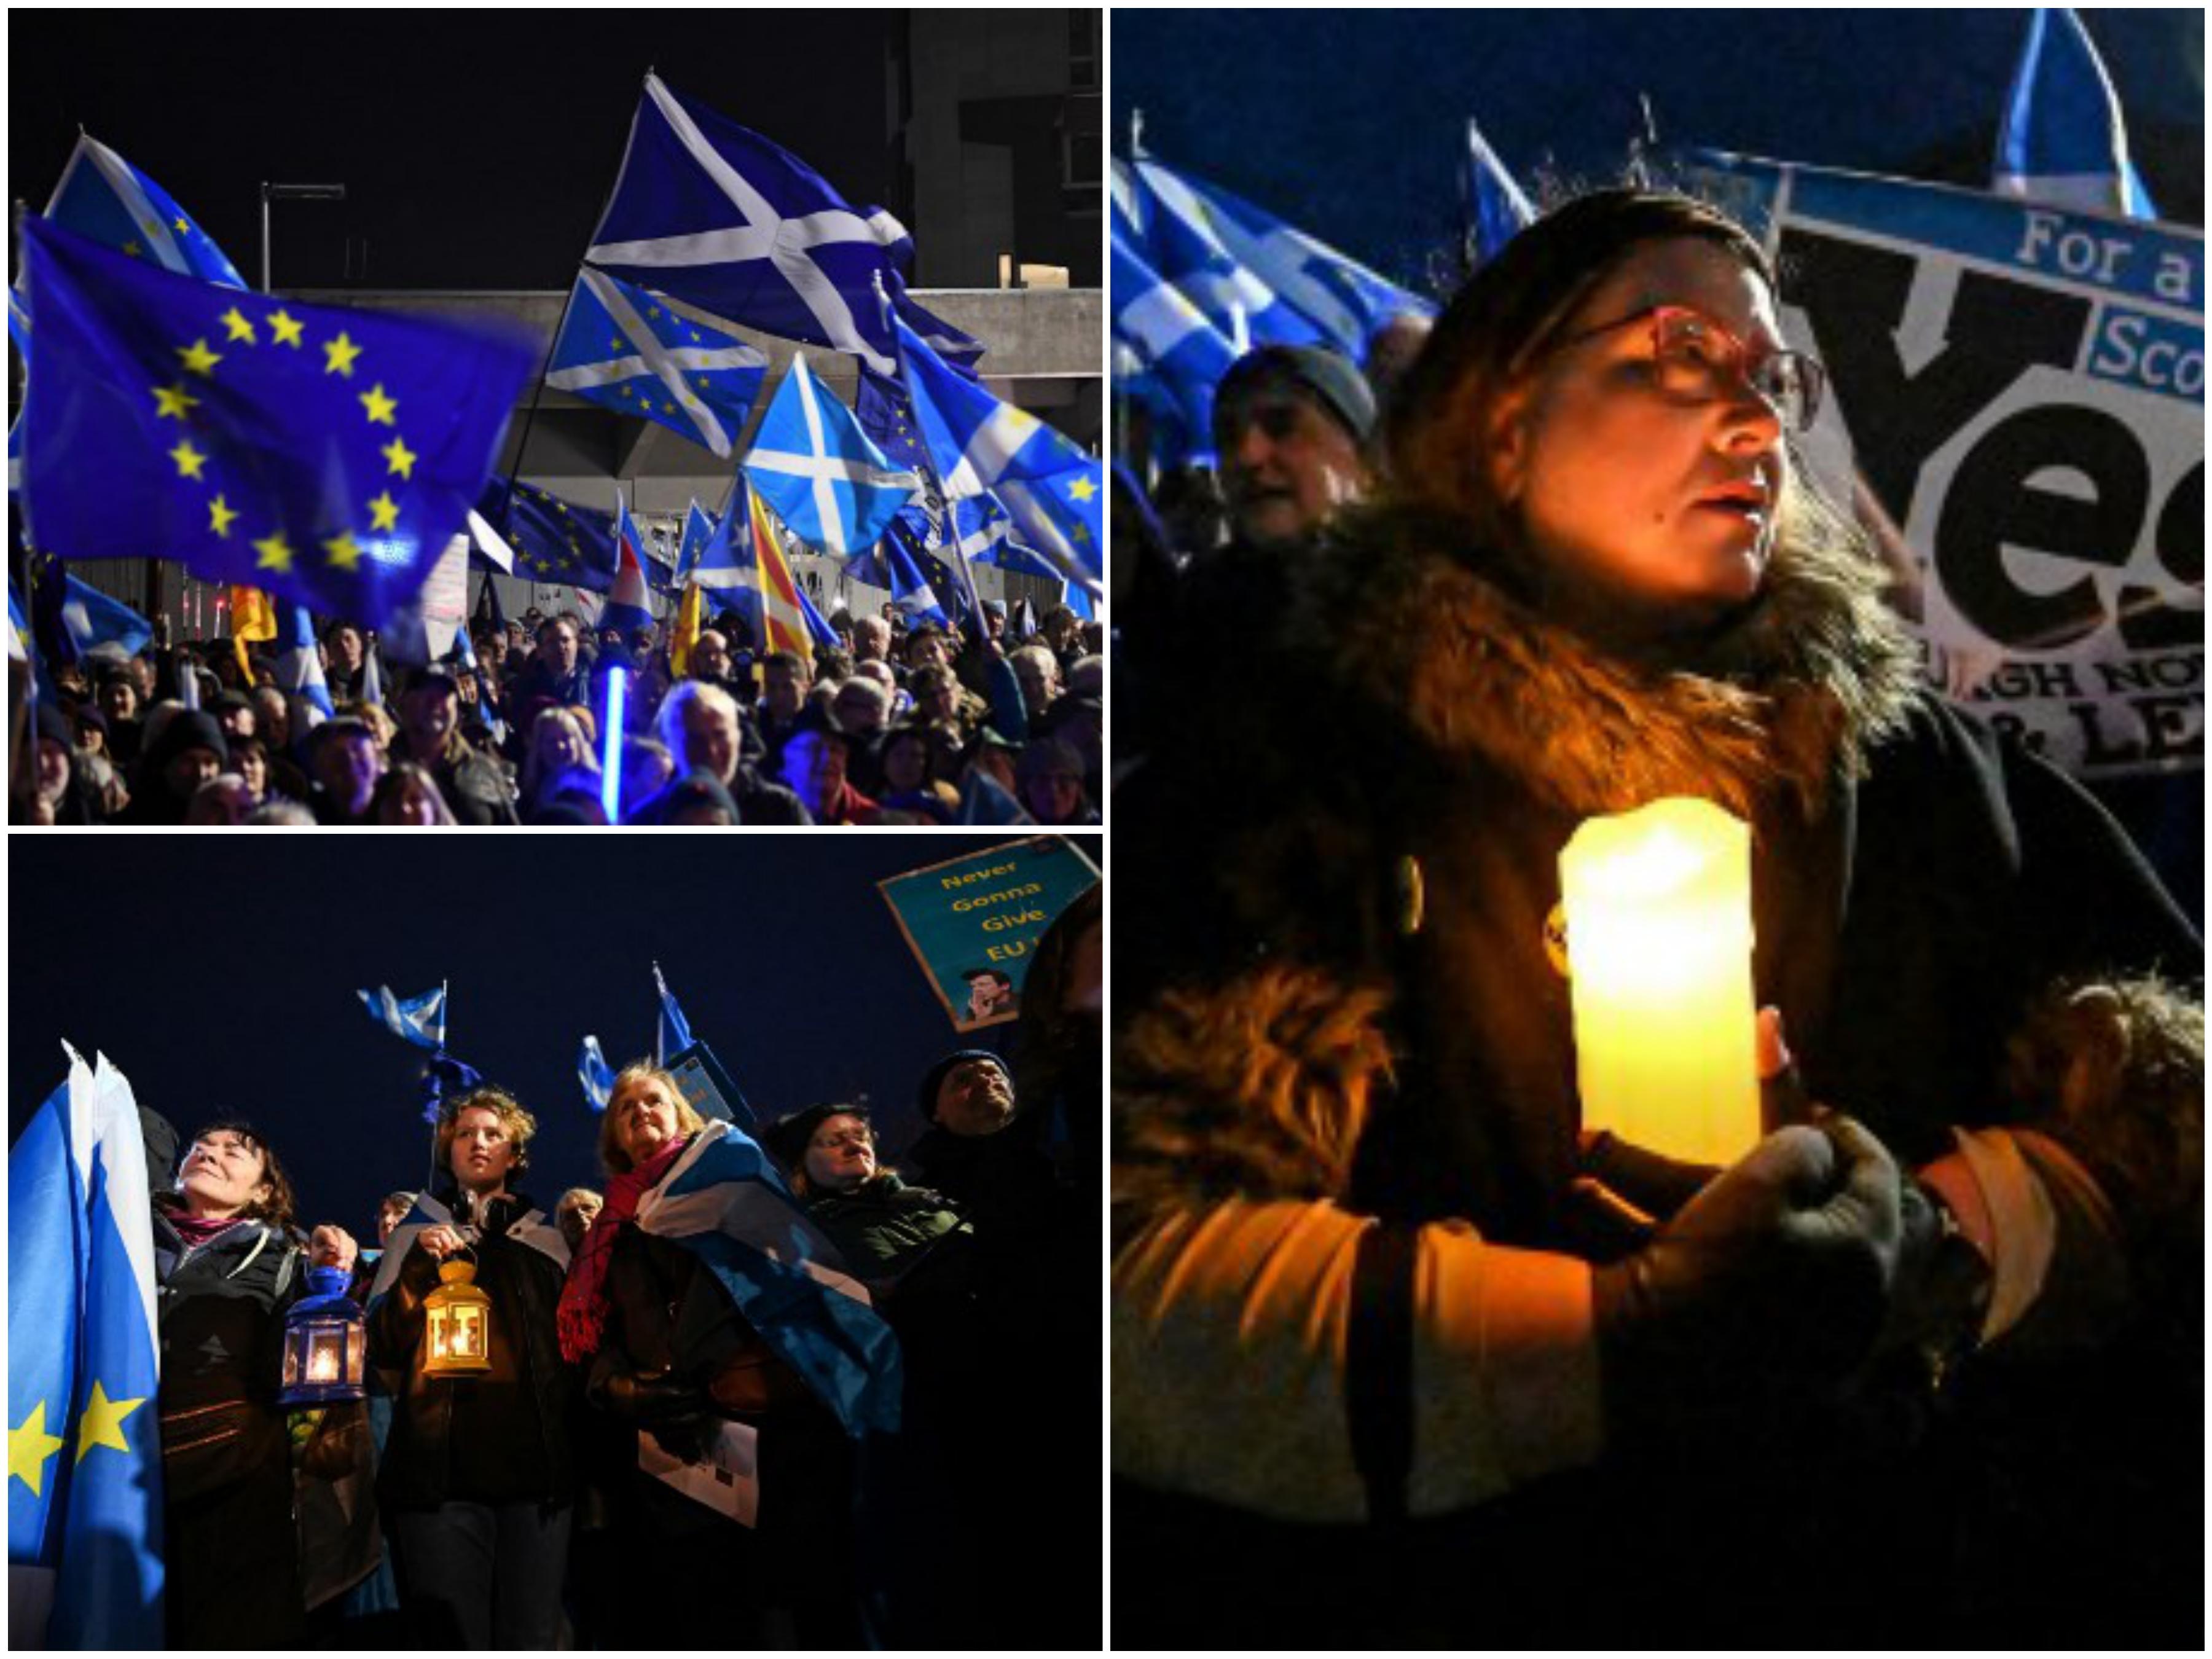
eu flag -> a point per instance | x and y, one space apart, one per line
556 542
46 1252
110 1590
325 456
632 352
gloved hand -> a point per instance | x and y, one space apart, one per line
1762 1295
652 1397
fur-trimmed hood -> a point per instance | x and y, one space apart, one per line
1784 698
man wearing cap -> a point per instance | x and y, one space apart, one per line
882 1227
473 784
814 760
1290 423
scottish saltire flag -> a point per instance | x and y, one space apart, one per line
1497 209
630 351
299 666
595 1075
726 1201
554 541
442 1207
109 1592
19 326
977 444
92 618
421 1020
626 607
1166 222
698 530
743 569
916 600
1176 351
325 455
812 463
2064 142
48 1248
720 216
103 197
1232 258
673 1035
984 800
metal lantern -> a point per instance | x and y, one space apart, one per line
326 1343
456 1324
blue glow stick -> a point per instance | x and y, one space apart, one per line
612 736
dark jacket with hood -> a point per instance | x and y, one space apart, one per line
503 1436
225 1461
152 800
1357 1005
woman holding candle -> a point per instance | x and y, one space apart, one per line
229 1264
1597 579
478 1471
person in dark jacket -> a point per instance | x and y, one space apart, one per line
189 751
670 1361
473 784
478 1473
1367 1272
883 1227
228 1265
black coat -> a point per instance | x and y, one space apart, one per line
225 1461
505 1435
1368 944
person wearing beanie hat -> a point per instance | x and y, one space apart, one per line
1291 424
190 750
975 1086
882 1226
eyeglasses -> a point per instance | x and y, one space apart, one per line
1699 360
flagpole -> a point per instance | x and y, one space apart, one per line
514 472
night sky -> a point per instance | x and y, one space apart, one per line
1350 124
218 972
477 148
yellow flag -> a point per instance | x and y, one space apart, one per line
252 617
686 634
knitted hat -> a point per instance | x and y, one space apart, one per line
1340 387
937 1074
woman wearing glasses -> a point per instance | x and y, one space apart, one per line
1366 1269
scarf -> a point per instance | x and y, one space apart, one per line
198 1229
582 1319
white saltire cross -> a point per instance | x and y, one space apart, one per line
766 234
664 363
821 468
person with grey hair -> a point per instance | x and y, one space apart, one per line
1038 670
703 730
871 640
224 799
281 815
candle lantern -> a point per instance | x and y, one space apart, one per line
326 1343
1659 936
456 1324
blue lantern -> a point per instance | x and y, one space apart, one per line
326 1343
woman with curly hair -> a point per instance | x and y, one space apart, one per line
1369 1270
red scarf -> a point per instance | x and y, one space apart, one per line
582 1320
196 1230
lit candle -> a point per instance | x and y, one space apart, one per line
1659 934
322 1362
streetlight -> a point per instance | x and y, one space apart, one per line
289 193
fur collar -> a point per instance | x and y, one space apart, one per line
1784 700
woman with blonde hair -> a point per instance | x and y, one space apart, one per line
558 744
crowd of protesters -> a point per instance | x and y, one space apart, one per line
523 1507
895 725
1403 1355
